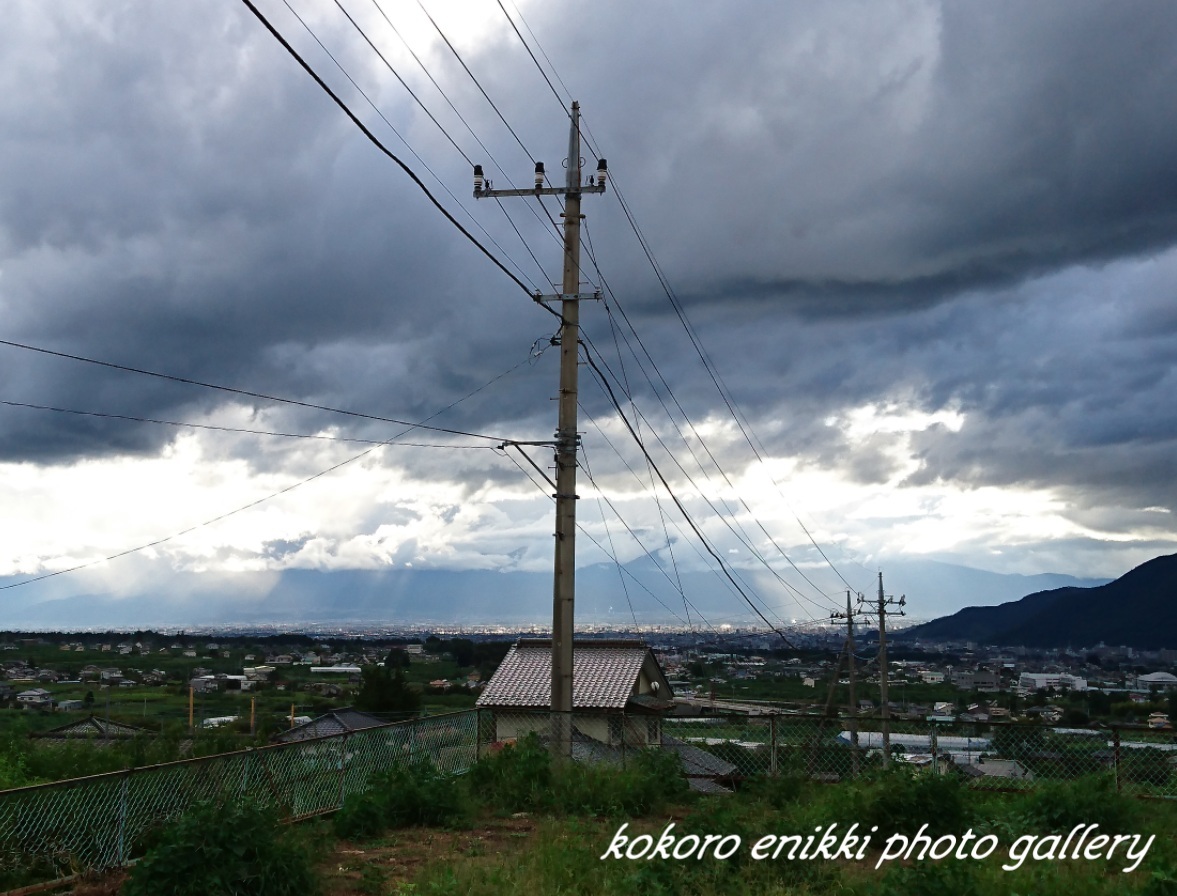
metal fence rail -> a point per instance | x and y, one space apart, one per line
104 821
100 822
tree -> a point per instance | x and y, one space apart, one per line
384 689
397 659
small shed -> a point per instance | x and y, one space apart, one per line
340 721
619 691
93 728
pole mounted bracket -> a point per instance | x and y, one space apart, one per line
567 297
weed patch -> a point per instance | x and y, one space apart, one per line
226 850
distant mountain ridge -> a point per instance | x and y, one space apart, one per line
1138 610
420 596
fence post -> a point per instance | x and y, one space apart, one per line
935 741
624 731
1116 755
343 767
772 739
124 787
477 734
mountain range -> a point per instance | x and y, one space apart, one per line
475 597
1138 610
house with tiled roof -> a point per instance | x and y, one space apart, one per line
619 691
94 728
339 721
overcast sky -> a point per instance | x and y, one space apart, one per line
929 250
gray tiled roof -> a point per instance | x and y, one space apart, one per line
94 726
341 721
603 674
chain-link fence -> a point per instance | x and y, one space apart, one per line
718 751
104 821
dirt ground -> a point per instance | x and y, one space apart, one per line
378 866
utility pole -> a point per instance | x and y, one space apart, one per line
853 720
883 603
567 439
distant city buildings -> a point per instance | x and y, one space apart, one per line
1050 681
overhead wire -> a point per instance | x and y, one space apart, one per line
494 106
283 491
666 286
515 28
231 429
725 515
725 394
384 149
676 582
560 99
402 138
539 46
246 392
682 509
430 114
621 566
728 399
608 533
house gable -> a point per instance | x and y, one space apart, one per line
606 675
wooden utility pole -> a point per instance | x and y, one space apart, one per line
853 707
883 603
567 438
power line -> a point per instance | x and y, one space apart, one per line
466 124
232 429
608 533
664 282
404 83
255 503
248 393
539 46
502 118
515 28
698 533
399 135
621 567
698 437
724 514
384 149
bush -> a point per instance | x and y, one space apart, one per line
901 802
516 778
225 850
403 796
652 778
1056 806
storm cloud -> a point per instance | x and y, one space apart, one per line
928 248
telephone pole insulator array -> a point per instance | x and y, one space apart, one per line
884 609
567 437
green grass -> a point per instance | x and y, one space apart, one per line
564 853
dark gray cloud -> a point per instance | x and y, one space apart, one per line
942 207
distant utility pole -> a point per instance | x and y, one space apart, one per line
883 603
853 721
567 437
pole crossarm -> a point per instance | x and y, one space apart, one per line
543 191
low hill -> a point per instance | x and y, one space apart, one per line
1139 610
